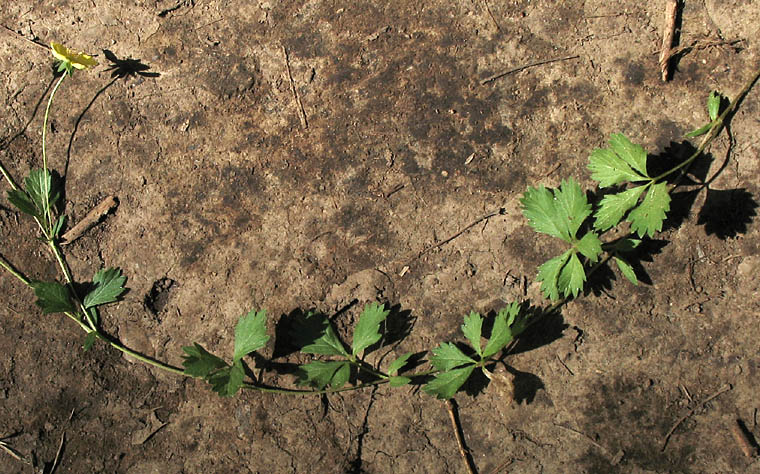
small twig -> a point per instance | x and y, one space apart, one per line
470 226
522 68
742 439
92 218
668 34
302 116
488 9
589 438
463 451
13 453
564 365
725 388
58 454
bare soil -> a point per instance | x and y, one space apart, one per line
302 154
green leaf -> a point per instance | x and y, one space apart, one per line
631 153
501 334
327 344
648 217
446 384
198 362
399 363
559 213
609 169
447 356
613 207
367 331
627 270
396 381
572 277
24 203
89 340
53 297
59 223
322 373
341 376
590 246
472 327
109 285
38 187
227 381
250 334
700 131
92 314
548 274
518 318
713 104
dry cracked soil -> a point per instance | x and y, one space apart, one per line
295 155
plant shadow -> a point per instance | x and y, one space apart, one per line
120 69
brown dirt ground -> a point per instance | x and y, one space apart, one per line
229 202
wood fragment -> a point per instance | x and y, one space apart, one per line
668 34
522 68
302 115
58 454
12 452
742 439
723 389
463 451
92 218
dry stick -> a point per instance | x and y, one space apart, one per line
463 451
57 459
302 116
668 33
444 242
92 218
737 429
522 68
725 388
488 9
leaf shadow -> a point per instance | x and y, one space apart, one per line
727 213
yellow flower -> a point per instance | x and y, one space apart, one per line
71 57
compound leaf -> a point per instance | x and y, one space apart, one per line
109 285
198 362
472 329
396 381
250 333
613 207
548 273
501 335
447 356
53 297
227 381
627 270
446 384
631 153
327 344
571 277
648 217
399 363
322 373
609 169
590 246
559 213
367 331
